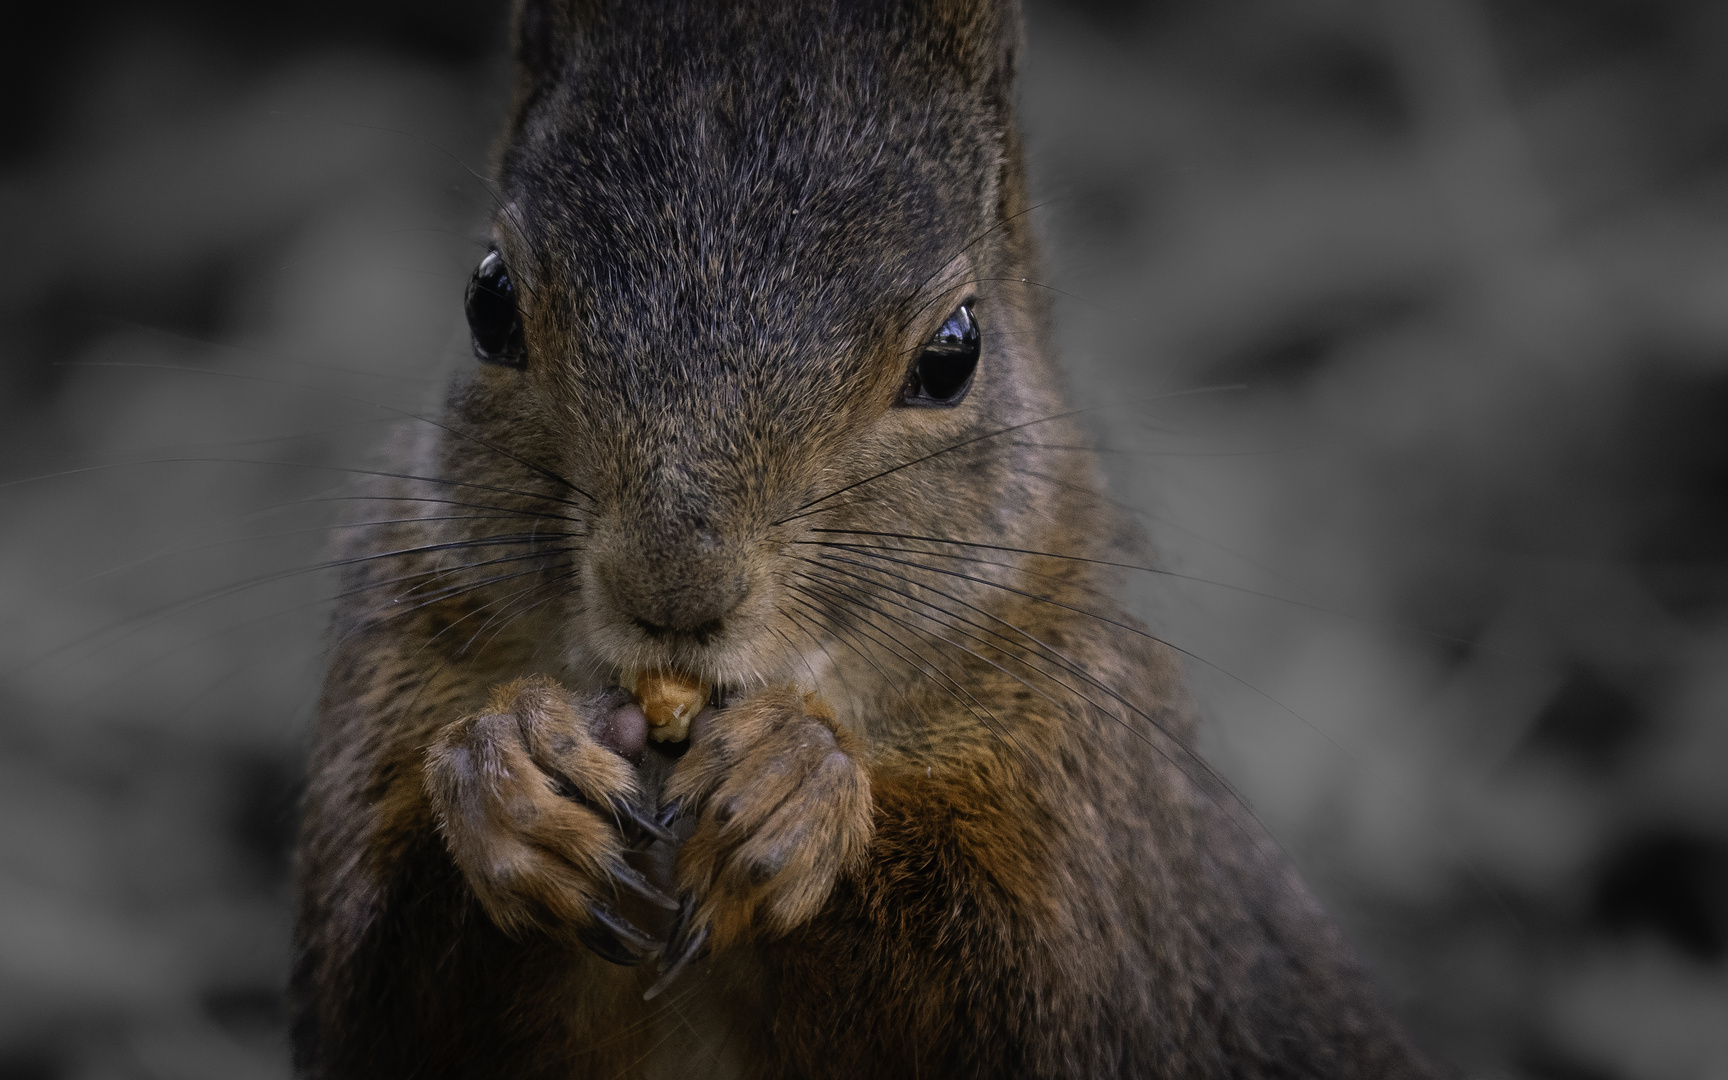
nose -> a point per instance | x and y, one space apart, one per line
685 589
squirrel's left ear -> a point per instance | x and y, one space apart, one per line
979 37
543 37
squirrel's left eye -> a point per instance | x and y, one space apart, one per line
493 320
943 372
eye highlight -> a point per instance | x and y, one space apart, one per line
943 372
493 321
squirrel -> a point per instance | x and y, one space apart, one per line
757 363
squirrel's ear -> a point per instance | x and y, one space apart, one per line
980 37
543 37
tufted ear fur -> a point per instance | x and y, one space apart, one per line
543 39
979 37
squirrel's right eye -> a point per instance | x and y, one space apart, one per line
492 317
945 365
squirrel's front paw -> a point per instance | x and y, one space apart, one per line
782 804
538 806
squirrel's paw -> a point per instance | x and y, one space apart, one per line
538 805
781 797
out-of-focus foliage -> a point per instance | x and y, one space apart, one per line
1470 263
1410 321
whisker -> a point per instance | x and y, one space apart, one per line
227 444
231 629
861 548
1158 570
1163 522
851 641
273 356
867 658
1062 661
486 182
1053 290
377 405
1197 658
1380 624
342 395
511 617
431 501
413 702
957 690
287 465
842 585
968 246
1066 664
918 312
791 649
807 509
1163 453
500 205
820 644
833 619
230 541
1261 835
144 618
875 633
508 600
388 609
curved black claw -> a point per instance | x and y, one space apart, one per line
668 814
633 879
683 946
566 787
630 814
615 938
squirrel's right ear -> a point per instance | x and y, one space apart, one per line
543 38
981 38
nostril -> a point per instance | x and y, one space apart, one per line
702 631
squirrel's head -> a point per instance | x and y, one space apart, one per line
752 260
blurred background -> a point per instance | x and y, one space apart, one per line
1448 524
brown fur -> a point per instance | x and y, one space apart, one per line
948 824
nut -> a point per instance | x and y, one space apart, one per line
669 700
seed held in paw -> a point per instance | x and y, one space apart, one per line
669 700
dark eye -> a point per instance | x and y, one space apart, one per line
945 365
492 317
